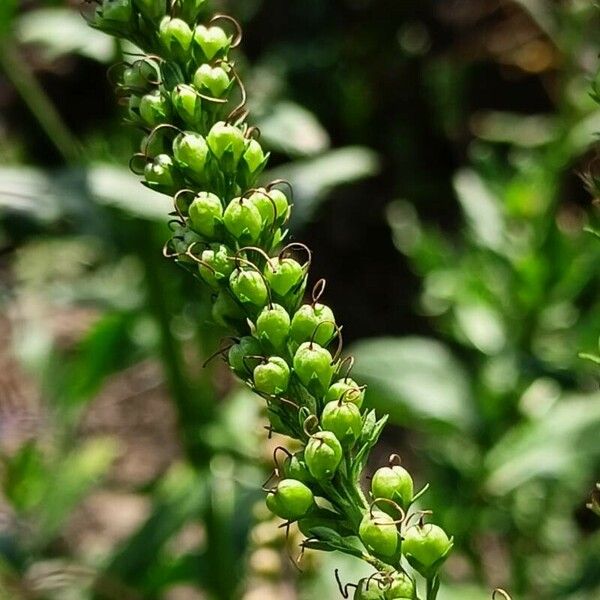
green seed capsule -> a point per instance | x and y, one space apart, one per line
242 356
134 107
205 214
217 266
154 109
212 81
291 500
282 204
272 377
393 483
226 312
227 143
369 589
284 275
151 9
313 366
117 10
273 327
426 547
249 287
344 420
254 157
266 207
176 37
346 390
317 321
243 221
323 454
213 41
160 172
137 75
191 152
402 587
294 467
378 533
187 103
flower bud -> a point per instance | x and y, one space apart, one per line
426 547
254 157
213 41
378 533
393 483
176 37
117 10
249 287
227 143
284 275
217 266
205 214
272 377
273 327
154 109
291 500
160 172
344 420
226 312
187 104
307 323
323 454
347 390
213 81
191 153
313 367
151 9
243 221
241 356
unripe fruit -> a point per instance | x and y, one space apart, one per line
191 152
160 172
294 467
291 500
176 37
154 109
226 141
211 80
205 214
344 420
226 311
346 390
272 377
187 103
243 221
273 327
369 589
266 207
117 10
323 454
402 587
378 533
134 107
308 319
393 483
282 204
249 287
284 275
254 157
137 75
212 41
426 547
313 367
218 265
242 356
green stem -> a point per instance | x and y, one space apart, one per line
42 108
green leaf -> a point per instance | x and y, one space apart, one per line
8 9
415 380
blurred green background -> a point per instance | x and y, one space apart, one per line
435 148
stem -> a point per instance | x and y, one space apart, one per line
42 108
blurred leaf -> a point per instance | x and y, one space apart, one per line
69 482
293 130
62 31
482 327
561 444
24 477
313 178
543 13
527 131
415 380
481 208
7 13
